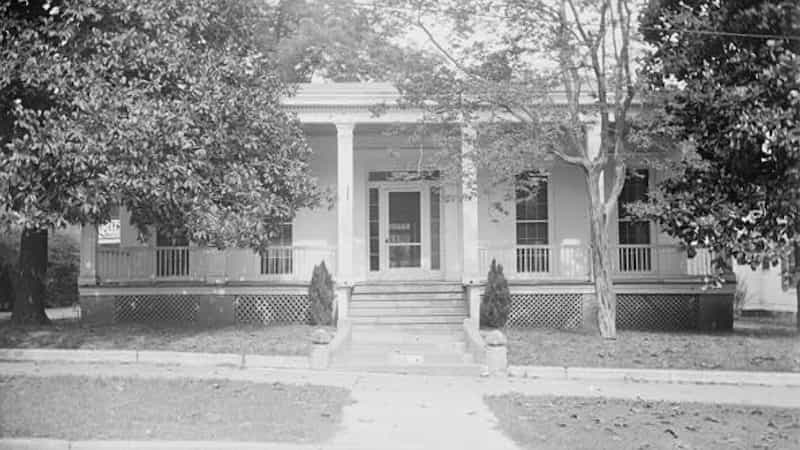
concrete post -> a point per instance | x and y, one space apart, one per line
342 303
496 353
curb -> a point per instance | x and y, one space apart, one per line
678 376
157 357
62 444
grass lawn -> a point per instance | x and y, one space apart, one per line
251 339
74 408
759 348
596 423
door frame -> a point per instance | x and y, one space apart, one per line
424 272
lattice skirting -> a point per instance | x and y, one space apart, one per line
156 308
271 308
657 311
545 310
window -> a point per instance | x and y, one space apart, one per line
634 235
374 231
435 227
533 255
278 259
172 253
109 232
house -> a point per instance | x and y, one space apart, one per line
403 248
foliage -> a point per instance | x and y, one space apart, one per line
321 297
496 300
734 97
528 79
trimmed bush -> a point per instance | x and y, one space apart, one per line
320 296
496 299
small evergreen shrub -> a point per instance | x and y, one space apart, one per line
320 296
496 299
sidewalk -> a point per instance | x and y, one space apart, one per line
409 411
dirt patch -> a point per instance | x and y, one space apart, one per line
251 339
596 423
121 408
773 349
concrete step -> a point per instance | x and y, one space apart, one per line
423 286
409 346
406 296
410 329
389 312
463 369
452 319
364 356
360 303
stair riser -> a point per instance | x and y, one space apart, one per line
415 320
446 370
410 287
407 304
406 296
408 347
390 312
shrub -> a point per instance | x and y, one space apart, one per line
320 296
496 299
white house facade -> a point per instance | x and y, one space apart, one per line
403 247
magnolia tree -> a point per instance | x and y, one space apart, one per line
170 109
531 78
729 75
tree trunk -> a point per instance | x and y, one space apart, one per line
601 267
31 278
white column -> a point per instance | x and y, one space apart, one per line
88 270
344 202
469 208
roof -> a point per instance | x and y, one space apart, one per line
344 94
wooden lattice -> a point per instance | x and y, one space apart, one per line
657 311
271 308
545 310
156 308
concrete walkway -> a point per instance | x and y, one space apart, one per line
418 411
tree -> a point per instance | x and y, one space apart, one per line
503 70
170 109
729 74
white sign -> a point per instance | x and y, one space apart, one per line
109 233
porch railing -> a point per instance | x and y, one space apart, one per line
573 262
199 263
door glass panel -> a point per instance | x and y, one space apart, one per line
435 220
374 233
405 237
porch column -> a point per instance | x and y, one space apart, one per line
344 213
344 200
469 208
88 271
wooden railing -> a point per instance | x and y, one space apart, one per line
118 264
573 262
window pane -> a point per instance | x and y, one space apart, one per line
634 233
532 233
532 201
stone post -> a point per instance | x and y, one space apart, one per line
496 353
320 353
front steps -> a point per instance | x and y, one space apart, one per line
412 327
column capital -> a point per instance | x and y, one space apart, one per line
345 127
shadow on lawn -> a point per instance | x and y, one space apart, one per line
257 339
